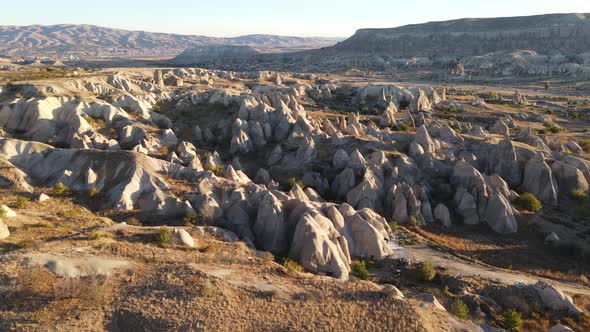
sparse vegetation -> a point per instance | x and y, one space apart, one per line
511 320
402 126
413 221
528 202
492 96
552 127
21 202
190 218
578 195
97 236
293 180
459 309
268 257
359 270
393 225
59 189
215 169
292 266
92 192
425 271
207 288
163 237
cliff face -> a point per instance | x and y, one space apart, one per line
216 54
557 33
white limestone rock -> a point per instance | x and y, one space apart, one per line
182 237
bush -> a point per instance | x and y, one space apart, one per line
163 237
393 225
92 192
21 202
585 145
529 202
413 221
578 195
547 85
268 257
207 288
2 213
292 266
59 189
425 272
190 218
359 270
459 309
96 235
511 320
292 181
216 169
492 97
402 127
552 127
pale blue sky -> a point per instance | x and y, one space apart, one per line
295 17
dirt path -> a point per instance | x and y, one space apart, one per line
457 266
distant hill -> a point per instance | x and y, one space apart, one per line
554 33
89 40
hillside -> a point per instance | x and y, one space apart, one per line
476 36
88 40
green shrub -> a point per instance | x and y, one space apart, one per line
425 271
578 195
585 145
359 270
413 221
292 266
511 320
92 192
215 169
402 127
21 202
293 180
552 127
492 96
393 225
59 189
459 309
190 218
96 235
529 202
547 85
163 237
2 213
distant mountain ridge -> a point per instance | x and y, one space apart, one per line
90 40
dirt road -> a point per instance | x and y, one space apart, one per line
457 266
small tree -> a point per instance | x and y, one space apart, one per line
547 85
425 271
459 309
511 320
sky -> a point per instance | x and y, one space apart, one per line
226 18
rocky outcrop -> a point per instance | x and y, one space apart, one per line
539 180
